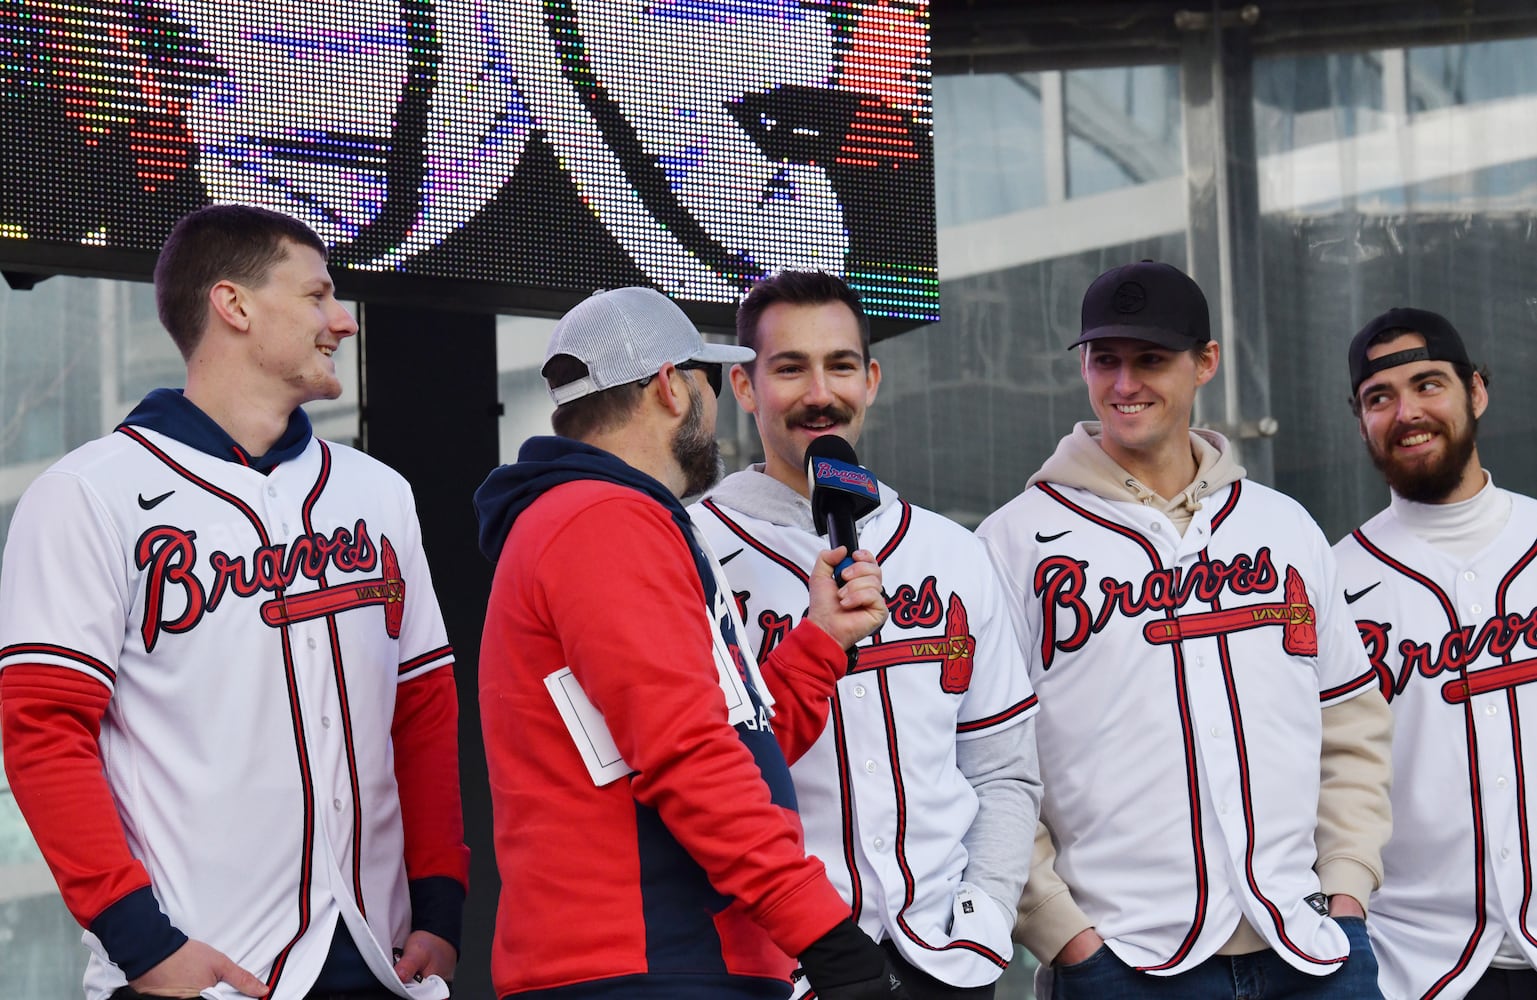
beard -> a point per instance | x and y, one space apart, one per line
1434 479
696 451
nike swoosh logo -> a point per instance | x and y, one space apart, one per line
1051 538
1352 598
732 556
154 502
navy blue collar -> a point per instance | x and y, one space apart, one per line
171 413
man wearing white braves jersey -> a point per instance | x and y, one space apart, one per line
924 783
1444 591
227 694
1213 745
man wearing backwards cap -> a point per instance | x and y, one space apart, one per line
645 821
1213 744
1444 589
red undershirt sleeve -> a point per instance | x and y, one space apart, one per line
50 718
425 735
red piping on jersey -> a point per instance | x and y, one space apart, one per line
90 662
1192 777
1370 677
759 547
296 715
900 847
417 661
846 807
1011 712
1241 751
322 479
1473 783
898 535
1227 506
1515 733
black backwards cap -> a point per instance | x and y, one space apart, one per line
1442 343
1148 301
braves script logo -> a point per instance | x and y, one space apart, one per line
1453 653
955 650
169 557
847 475
1061 583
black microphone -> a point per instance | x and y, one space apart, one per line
842 491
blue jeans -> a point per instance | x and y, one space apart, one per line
1260 976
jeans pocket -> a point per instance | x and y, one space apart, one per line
1098 958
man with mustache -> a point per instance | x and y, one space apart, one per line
1444 591
644 816
924 784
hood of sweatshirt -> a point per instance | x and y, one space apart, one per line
757 494
171 413
546 462
1080 462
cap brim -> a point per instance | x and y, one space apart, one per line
1170 339
724 354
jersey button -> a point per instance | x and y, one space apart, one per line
1504 854
336 804
870 766
1477 609
311 642
1500 781
1491 710
1470 576
880 844
272 491
859 690
325 721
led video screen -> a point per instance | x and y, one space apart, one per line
521 152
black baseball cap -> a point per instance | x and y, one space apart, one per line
1149 301
1442 343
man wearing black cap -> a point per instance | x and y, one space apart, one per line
1443 584
1213 745
645 819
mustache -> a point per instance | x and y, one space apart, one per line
837 414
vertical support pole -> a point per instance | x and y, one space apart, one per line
430 408
1223 234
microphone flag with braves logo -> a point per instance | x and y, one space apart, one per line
842 491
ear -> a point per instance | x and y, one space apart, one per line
741 388
227 301
872 380
1480 396
1206 364
672 396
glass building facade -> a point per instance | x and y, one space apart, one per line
1306 190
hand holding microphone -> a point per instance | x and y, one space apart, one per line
842 491
846 600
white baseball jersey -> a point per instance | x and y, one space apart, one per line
251 630
1454 645
1181 680
883 803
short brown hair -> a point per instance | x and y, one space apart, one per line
798 288
596 412
239 243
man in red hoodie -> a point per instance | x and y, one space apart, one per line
645 820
